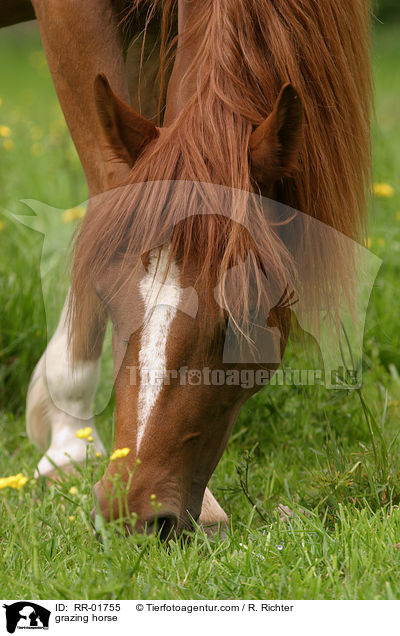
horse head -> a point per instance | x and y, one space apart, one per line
176 395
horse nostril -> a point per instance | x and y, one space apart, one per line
162 526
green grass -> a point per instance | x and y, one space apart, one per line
314 450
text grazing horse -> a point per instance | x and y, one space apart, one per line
269 96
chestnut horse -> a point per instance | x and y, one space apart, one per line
269 97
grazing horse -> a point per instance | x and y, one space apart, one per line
266 98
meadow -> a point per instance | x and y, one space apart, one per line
332 457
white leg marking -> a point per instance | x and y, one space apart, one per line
161 295
60 401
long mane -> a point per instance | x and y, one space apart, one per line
248 50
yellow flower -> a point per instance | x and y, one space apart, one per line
8 144
73 214
153 497
13 481
83 433
1 225
383 190
119 453
90 438
5 131
98 454
71 517
20 481
5 482
73 490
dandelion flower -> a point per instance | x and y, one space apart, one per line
20 481
13 481
98 454
73 490
73 214
84 433
383 190
5 482
8 144
90 438
71 517
5 131
119 453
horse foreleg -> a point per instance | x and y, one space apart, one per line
81 39
59 403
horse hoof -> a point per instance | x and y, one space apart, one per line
57 474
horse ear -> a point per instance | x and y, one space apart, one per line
274 145
126 132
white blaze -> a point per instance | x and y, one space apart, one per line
161 295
